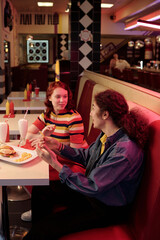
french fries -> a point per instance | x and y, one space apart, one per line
24 157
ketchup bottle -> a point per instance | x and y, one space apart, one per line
30 88
11 108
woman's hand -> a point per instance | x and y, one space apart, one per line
48 130
50 157
50 142
35 141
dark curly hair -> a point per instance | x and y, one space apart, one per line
132 121
49 92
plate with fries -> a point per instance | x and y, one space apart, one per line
20 156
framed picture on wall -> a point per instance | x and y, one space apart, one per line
37 51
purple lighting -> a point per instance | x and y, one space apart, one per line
148 24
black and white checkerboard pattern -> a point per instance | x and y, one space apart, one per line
85 37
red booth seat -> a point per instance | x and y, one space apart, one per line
144 223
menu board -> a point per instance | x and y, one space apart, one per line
37 51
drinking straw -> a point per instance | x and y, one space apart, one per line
25 113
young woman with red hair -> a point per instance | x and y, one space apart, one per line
66 126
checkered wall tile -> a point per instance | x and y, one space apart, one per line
85 37
62 44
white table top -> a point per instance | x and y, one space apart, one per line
20 95
35 104
13 122
35 172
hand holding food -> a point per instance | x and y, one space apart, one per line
49 142
48 130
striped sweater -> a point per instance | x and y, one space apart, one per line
69 129
69 126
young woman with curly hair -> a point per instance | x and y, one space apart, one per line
114 166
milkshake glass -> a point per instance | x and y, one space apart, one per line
3 131
23 128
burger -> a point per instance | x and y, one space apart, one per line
6 151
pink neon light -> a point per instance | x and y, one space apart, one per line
131 27
136 24
148 24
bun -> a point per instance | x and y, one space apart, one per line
6 151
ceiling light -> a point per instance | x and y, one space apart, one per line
139 43
130 44
45 4
148 24
158 39
150 17
148 40
154 18
106 5
131 27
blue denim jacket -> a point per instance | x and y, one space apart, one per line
113 177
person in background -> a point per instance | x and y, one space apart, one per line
66 126
121 64
114 166
112 63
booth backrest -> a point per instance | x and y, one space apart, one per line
84 104
142 96
146 211
80 86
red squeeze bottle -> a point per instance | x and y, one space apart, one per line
7 137
11 108
30 87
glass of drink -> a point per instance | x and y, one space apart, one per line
23 128
36 91
3 131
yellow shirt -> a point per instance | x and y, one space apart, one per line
103 141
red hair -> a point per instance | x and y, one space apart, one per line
49 92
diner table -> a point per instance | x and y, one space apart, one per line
33 172
34 104
20 95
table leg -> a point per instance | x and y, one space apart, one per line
1 211
5 217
